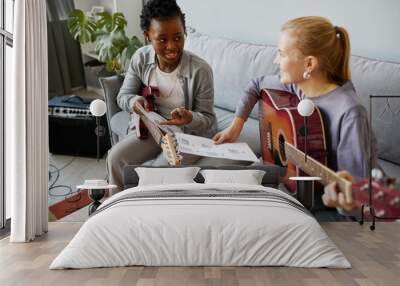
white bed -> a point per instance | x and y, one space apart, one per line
243 227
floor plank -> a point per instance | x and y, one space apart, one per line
375 257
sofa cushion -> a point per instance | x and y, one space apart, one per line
234 64
119 124
391 170
373 77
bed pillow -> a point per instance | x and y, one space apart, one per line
248 177
163 176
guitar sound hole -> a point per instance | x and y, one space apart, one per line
282 153
277 158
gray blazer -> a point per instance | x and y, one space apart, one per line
195 77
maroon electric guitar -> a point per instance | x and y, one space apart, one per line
145 127
148 92
280 122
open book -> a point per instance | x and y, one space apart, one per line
191 144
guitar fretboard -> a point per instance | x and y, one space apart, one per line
153 129
166 142
314 168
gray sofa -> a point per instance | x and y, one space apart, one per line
235 63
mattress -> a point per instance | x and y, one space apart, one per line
201 225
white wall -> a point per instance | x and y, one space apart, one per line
130 8
86 5
373 24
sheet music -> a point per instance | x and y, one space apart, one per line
191 144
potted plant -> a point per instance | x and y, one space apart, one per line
107 31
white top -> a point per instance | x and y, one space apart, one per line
171 92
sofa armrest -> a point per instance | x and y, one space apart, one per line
111 86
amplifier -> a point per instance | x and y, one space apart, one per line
72 128
69 106
68 112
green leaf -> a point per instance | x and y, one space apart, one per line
81 27
104 21
110 22
113 47
127 53
114 66
119 21
109 46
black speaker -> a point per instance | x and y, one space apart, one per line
72 129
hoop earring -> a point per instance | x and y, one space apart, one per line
306 75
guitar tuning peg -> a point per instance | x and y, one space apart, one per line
391 182
380 195
364 187
380 213
395 201
376 174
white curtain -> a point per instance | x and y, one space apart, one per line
27 123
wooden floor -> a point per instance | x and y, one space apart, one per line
73 172
374 255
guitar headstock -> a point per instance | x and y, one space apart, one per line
149 92
385 196
169 147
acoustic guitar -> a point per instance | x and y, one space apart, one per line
282 133
280 122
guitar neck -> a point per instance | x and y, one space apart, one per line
314 168
153 129
166 142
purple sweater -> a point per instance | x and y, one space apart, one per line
345 121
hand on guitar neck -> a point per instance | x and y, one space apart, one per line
146 104
383 195
334 198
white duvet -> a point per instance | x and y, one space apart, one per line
185 231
